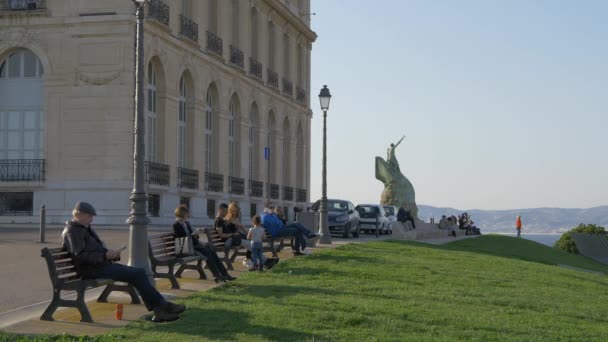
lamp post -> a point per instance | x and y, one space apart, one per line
324 97
138 219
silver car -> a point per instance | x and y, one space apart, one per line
372 219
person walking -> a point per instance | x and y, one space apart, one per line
518 225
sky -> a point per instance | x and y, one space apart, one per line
504 104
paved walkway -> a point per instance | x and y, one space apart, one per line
25 289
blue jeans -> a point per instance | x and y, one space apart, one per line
299 239
135 276
301 228
256 253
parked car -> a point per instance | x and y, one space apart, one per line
367 218
391 214
342 217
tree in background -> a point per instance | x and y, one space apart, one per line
566 242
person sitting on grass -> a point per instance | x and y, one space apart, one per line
183 229
93 260
256 236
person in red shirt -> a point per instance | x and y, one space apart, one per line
518 225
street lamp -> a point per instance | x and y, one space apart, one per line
324 97
138 219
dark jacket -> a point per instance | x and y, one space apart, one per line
404 216
87 250
180 232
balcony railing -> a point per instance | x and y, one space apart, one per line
287 87
301 195
22 5
158 11
22 170
255 68
274 191
288 193
256 188
157 173
273 78
215 43
188 28
187 178
236 57
214 182
300 94
237 185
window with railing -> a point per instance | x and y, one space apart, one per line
274 191
287 87
210 208
253 208
187 178
159 11
214 43
22 170
273 78
236 57
288 193
23 5
301 195
237 185
300 94
214 182
256 188
255 68
188 28
157 173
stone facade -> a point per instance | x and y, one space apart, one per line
224 80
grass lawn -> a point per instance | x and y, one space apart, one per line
484 289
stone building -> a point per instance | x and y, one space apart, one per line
225 79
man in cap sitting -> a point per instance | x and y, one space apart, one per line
93 260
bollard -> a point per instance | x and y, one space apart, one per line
377 224
42 223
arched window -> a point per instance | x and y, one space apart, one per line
254 150
151 110
236 21
211 129
286 152
286 57
272 166
300 158
271 46
181 122
21 106
254 33
233 136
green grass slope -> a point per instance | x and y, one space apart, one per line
474 290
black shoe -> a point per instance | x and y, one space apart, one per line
162 315
313 235
229 277
174 308
298 253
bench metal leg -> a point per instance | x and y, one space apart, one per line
198 267
103 297
47 315
85 315
169 275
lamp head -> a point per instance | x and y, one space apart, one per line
324 97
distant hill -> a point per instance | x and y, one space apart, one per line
537 220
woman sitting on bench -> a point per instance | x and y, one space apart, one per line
183 229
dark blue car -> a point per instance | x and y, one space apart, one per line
342 216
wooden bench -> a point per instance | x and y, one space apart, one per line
162 252
65 278
229 255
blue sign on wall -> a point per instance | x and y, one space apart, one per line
266 153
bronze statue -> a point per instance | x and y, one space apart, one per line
398 190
